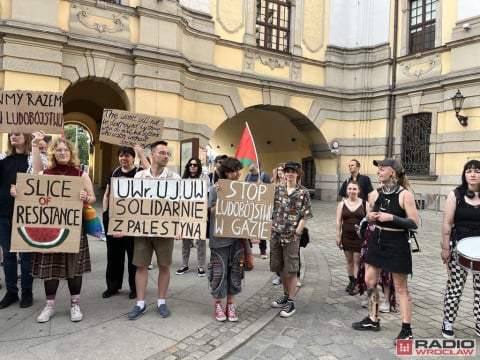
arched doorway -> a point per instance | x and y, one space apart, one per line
83 104
280 134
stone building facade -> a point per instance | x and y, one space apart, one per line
318 81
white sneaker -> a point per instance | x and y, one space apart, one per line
46 314
276 280
384 307
75 313
299 283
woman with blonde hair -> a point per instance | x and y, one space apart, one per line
51 267
278 174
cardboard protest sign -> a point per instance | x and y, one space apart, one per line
158 207
244 210
29 111
47 216
129 129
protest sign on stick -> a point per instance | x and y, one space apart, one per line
158 207
28 111
47 216
244 210
128 129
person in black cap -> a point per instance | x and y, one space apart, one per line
393 214
291 210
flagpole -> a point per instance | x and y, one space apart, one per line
254 147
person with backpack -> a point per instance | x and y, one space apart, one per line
461 219
393 213
350 212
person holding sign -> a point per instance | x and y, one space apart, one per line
291 210
145 246
51 267
117 247
193 170
22 156
227 256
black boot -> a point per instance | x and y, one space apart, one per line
9 298
350 284
27 299
353 290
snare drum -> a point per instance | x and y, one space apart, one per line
468 254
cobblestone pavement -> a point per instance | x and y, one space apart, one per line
320 328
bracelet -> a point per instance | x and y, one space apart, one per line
445 248
34 145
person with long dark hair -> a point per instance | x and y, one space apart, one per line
350 211
461 219
394 213
193 170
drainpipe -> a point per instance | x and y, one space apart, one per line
391 97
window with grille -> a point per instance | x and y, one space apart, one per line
416 130
423 14
273 24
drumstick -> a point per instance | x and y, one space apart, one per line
449 273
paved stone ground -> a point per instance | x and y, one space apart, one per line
320 329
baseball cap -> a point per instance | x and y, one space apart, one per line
292 165
220 157
393 163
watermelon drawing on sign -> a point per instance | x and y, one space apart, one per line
43 237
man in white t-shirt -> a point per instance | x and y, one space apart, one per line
145 246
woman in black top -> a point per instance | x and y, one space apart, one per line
461 216
393 213
116 247
22 156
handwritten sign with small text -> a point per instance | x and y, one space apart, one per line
129 129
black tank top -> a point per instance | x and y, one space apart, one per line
389 203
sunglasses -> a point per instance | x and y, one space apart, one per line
193 164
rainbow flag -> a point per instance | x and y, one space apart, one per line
246 151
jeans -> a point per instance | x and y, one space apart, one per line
201 249
10 266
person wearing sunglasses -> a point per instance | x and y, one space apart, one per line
193 170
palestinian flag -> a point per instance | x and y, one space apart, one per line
246 151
